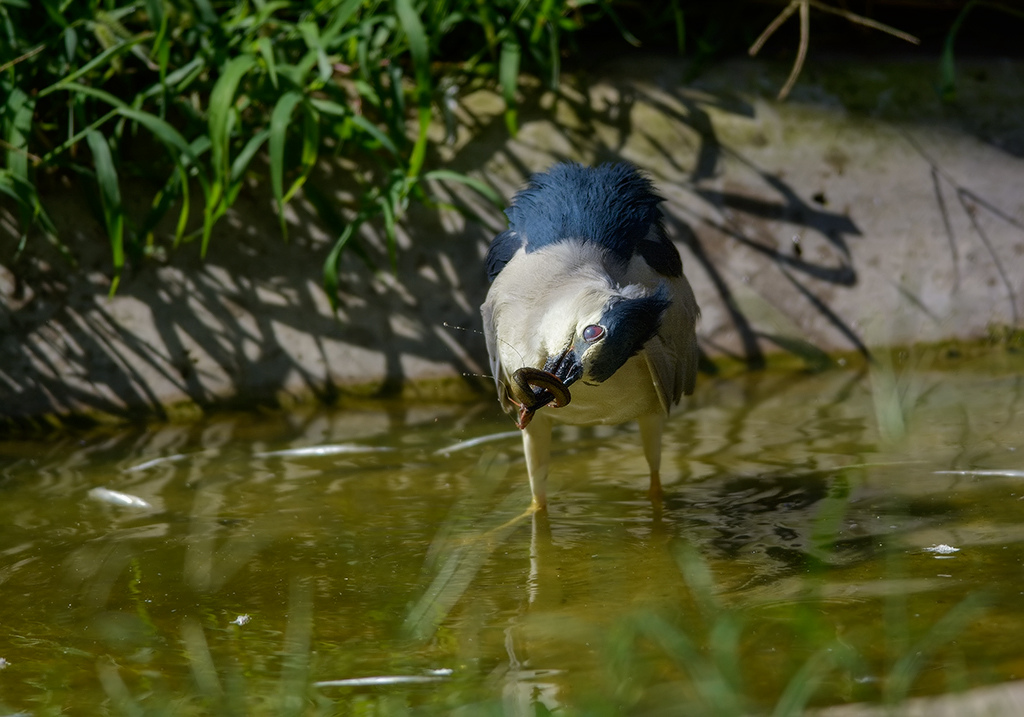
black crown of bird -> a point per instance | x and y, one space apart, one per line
589 318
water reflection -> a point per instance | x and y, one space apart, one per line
369 549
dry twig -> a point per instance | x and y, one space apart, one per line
16 60
804 7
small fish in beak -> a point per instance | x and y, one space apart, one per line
532 389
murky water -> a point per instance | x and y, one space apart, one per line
840 535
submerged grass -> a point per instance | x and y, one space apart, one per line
698 655
445 603
698 660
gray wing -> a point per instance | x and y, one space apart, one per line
672 354
493 357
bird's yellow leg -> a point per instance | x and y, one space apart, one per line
537 449
655 491
651 427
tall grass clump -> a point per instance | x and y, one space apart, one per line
200 97
190 93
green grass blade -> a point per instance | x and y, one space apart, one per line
481 188
679 20
222 99
206 12
609 11
178 80
419 49
310 150
109 54
334 109
163 131
280 119
213 210
155 11
554 53
311 35
947 66
803 685
266 48
331 264
327 210
200 145
419 150
244 157
20 108
185 155
8 184
418 45
330 107
388 209
544 17
179 230
909 666
110 199
374 131
77 137
517 14
508 76
87 91
160 205
342 15
32 212
220 119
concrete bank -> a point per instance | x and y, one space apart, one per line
862 212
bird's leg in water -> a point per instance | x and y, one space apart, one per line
651 427
537 447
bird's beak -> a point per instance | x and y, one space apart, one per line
533 388
567 366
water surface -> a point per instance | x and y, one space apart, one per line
839 535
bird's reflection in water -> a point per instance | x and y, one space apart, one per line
543 587
731 541
526 687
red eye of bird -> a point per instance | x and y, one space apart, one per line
592 333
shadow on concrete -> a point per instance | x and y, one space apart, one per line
775 263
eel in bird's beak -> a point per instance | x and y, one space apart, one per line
534 388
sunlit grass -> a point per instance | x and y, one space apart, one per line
202 99
193 96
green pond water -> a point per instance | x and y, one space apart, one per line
824 538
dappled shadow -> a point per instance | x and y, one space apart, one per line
249 325
778 259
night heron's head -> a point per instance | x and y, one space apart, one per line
566 317
582 279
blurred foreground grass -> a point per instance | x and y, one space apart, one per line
202 96
830 537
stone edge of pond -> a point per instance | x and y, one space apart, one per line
1000 700
374 396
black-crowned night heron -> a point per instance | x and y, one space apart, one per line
589 319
